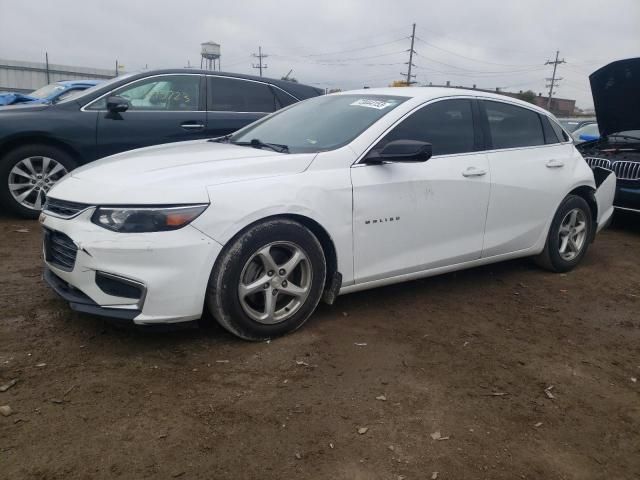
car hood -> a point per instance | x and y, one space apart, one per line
173 174
616 96
25 107
10 98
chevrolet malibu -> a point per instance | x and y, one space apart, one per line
329 196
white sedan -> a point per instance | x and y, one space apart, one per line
329 196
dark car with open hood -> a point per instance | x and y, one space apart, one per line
39 144
616 96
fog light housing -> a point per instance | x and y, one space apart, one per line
118 286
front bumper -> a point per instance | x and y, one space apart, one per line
628 195
170 270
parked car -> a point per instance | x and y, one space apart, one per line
616 97
39 144
52 93
335 194
586 133
572 124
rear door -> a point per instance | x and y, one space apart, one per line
163 109
233 103
531 169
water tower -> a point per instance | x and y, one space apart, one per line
210 53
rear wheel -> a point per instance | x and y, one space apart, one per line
268 280
569 236
28 173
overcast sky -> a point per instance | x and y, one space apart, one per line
337 44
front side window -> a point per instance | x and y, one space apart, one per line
236 95
168 93
320 123
513 126
447 125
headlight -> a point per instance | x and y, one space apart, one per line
146 219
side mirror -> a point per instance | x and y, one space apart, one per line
117 104
402 151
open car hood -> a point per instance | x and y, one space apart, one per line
616 96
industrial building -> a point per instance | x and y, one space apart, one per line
562 107
19 76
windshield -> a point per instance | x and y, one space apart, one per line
90 90
47 91
320 123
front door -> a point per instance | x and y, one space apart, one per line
410 217
163 109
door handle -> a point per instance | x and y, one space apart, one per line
474 172
555 164
192 126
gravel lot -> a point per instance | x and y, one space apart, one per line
524 374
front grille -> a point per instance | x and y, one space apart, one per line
627 170
624 170
59 250
62 208
598 162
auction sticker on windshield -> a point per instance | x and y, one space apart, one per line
370 103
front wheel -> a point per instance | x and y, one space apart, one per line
569 236
268 280
28 173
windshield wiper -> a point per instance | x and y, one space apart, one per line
628 137
256 143
223 139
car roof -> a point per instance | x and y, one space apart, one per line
299 90
69 83
430 93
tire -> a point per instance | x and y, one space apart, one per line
241 268
561 255
50 163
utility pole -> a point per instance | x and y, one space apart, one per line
553 81
410 63
46 59
260 56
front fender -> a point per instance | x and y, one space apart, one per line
323 196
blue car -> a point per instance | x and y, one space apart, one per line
52 93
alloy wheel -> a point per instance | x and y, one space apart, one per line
572 234
275 282
31 179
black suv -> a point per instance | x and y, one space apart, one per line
39 144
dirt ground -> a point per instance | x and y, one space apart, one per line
524 374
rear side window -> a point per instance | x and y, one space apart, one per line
447 125
236 95
511 126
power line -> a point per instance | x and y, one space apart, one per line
260 56
355 49
553 80
471 58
